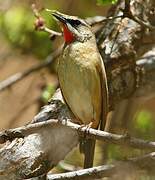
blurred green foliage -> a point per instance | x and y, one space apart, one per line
18 28
142 127
48 92
144 124
17 24
114 152
105 2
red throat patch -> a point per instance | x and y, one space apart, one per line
68 36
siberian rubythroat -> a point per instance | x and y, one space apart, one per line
82 77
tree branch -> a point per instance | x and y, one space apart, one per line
118 41
128 13
124 140
21 75
47 142
37 153
144 162
95 172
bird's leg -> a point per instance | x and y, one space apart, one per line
89 125
83 139
88 147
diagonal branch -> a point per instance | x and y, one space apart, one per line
21 75
144 162
95 172
37 153
46 142
124 140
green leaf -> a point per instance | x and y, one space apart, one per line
106 2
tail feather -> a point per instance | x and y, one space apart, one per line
89 149
89 144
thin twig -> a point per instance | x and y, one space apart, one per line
124 140
21 75
50 31
100 19
144 162
98 172
40 23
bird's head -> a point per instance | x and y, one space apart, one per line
74 28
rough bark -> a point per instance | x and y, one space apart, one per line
121 43
38 152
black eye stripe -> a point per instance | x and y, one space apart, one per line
74 22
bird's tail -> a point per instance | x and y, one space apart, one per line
87 147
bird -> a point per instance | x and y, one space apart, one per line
82 77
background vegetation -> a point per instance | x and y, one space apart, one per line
22 47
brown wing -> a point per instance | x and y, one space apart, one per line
105 95
89 144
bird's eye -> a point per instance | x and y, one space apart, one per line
74 22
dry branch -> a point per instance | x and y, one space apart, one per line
118 41
21 75
37 153
95 172
124 140
122 42
144 162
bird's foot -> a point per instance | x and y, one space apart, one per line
87 127
83 137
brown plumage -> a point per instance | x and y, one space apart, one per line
82 77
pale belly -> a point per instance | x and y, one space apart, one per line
81 88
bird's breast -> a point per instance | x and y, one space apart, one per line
80 82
